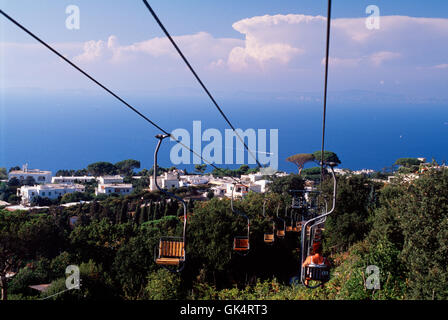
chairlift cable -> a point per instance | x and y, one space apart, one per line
199 79
325 90
107 89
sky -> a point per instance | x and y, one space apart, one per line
257 50
235 46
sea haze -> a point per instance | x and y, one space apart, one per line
69 131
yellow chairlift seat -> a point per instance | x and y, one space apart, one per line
269 237
171 252
241 244
280 233
288 228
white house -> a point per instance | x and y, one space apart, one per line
187 180
110 188
51 191
110 179
72 179
218 191
166 181
260 186
39 176
252 177
364 171
240 190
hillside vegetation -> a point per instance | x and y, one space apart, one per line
402 228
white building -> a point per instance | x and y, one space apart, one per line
110 188
260 186
187 180
252 177
72 179
341 171
218 191
110 179
240 190
39 176
364 171
166 181
51 191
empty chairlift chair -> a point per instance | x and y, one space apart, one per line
171 250
282 230
241 244
268 238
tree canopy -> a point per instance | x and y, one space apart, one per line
408 162
126 167
329 156
300 160
3 174
101 169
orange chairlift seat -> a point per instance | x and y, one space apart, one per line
171 250
281 232
288 227
241 244
268 238
295 225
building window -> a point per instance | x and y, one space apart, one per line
43 193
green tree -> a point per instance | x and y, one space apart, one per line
421 209
200 168
282 185
101 169
16 168
95 285
163 285
408 162
300 160
138 213
3 174
14 182
23 237
210 194
29 181
329 156
350 222
126 167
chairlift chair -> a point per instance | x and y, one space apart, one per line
171 250
241 244
281 232
315 272
268 238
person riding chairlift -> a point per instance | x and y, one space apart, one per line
316 258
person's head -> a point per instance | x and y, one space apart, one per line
317 248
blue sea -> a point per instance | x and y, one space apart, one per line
71 130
